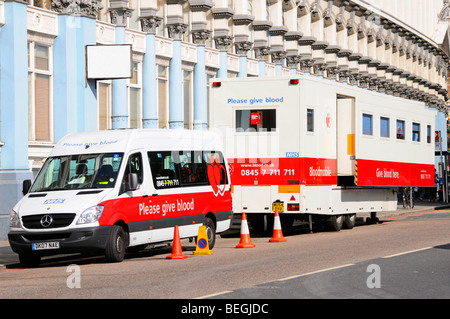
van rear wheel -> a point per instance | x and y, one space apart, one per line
116 245
210 232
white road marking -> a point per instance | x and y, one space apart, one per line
407 252
315 272
213 295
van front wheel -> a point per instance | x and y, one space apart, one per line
116 245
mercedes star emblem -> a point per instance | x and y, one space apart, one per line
46 221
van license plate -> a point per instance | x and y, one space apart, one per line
278 206
46 245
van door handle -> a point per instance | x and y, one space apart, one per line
144 196
154 195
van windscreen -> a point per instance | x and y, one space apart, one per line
78 172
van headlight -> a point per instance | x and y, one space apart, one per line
90 215
14 220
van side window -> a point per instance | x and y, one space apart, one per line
192 168
164 169
134 165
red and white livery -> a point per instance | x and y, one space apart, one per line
314 147
110 190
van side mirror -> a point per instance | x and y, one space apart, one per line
26 185
132 184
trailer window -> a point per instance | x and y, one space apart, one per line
310 120
428 134
416 132
367 124
384 127
256 120
400 130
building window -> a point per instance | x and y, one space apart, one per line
187 21
134 95
208 89
416 132
384 127
133 21
162 9
104 105
162 96
187 99
367 124
310 120
400 130
209 26
46 4
40 92
103 14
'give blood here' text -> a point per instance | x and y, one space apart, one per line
149 208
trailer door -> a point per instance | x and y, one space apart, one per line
345 139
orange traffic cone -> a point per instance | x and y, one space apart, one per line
245 242
277 233
176 249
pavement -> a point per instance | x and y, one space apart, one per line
8 257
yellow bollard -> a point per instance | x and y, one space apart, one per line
202 243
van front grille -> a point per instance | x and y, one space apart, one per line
45 221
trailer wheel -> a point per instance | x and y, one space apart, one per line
349 221
335 223
116 245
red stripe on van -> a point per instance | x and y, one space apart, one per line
134 209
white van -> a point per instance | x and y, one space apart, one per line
109 190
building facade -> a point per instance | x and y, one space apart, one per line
395 47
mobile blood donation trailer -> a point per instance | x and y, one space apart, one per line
317 149
110 190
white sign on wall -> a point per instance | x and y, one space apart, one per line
108 61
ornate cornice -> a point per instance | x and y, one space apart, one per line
222 13
86 8
200 5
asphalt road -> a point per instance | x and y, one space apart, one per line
412 256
